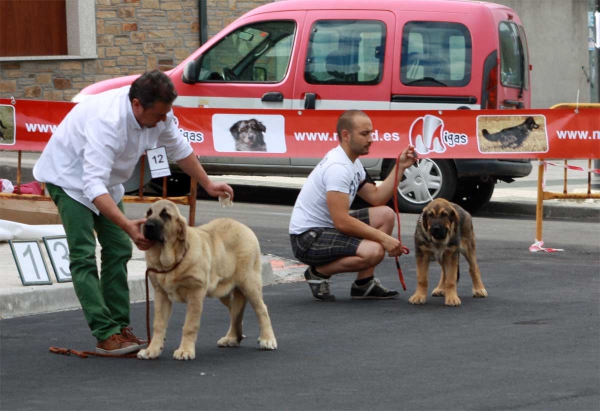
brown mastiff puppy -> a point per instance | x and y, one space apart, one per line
220 259
445 229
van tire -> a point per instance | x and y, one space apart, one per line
412 197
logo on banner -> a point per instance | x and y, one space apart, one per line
191 136
427 135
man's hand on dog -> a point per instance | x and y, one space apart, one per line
134 231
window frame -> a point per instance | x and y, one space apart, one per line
523 52
201 57
377 80
423 82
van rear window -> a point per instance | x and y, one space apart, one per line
513 56
435 54
347 52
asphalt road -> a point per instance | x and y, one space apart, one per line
532 345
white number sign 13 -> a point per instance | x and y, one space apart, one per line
58 251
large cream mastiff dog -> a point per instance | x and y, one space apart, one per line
219 259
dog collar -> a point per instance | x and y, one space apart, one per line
172 268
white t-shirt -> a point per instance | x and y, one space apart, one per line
95 148
334 173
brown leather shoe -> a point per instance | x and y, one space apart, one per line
128 335
117 345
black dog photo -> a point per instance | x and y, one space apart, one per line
500 134
248 135
1 133
7 125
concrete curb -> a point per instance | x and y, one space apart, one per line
560 211
31 300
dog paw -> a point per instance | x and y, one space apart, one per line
228 342
438 292
417 299
452 301
481 293
267 344
149 354
184 355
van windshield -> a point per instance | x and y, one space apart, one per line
259 52
435 54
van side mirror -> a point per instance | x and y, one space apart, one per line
259 74
190 75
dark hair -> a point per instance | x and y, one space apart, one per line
346 121
153 86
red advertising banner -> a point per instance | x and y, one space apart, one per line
562 133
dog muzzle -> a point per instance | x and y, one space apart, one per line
153 230
438 232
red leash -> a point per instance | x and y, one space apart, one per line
86 354
405 249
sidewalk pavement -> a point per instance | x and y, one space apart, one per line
515 199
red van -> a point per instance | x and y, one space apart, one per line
342 54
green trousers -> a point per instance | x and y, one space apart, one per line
104 299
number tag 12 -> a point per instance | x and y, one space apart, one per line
158 162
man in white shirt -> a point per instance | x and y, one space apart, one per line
331 239
91 154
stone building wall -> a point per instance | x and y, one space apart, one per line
132 36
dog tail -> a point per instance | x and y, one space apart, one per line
488 136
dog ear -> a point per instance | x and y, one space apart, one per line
453 215
182 231
234 130
261 126
425 220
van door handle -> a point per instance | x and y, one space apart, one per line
273 96
310 101
515 103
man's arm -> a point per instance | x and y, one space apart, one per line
381 194
192 167
337 202
109 209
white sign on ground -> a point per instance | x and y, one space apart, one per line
30 263
58 251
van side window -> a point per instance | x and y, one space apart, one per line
435 54
259 52
523 38
345 52
512 56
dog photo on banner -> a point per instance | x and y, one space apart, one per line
501 134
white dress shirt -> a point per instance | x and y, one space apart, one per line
95 148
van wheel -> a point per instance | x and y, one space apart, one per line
437 179
473 195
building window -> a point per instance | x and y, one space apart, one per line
47 29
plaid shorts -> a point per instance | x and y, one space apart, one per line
320 246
